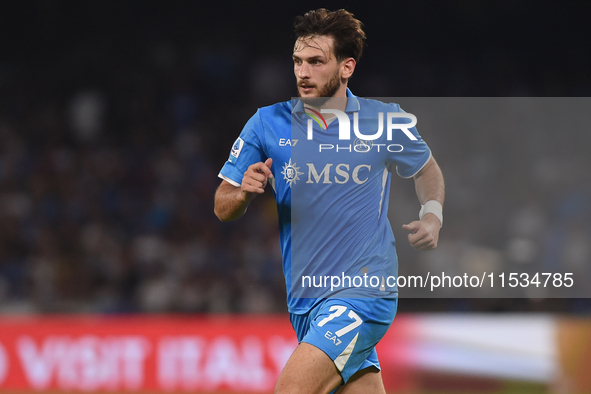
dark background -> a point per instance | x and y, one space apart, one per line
116 116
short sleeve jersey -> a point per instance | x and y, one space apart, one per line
332 195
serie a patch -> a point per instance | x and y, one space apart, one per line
236 149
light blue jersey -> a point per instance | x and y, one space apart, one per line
332 194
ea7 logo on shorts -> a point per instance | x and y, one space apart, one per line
236 149
329 335
338 311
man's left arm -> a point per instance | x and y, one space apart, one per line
430 188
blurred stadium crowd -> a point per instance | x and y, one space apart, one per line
110 149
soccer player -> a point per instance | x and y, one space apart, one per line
339 214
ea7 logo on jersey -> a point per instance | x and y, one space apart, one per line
236 149
287 142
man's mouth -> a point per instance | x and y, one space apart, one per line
306 88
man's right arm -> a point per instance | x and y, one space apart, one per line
231 201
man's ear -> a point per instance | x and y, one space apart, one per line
347 68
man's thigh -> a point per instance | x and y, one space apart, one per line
308 371
368 380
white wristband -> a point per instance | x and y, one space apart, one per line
433 207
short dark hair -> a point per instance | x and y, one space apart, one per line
346 31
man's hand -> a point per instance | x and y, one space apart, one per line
424 234
231 201
255 179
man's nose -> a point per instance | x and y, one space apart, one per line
304 70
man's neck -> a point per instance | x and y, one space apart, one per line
338 101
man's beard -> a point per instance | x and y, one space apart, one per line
325 93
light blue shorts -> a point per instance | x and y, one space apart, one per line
347 330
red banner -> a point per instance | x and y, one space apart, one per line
213 353
143 353
155 353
